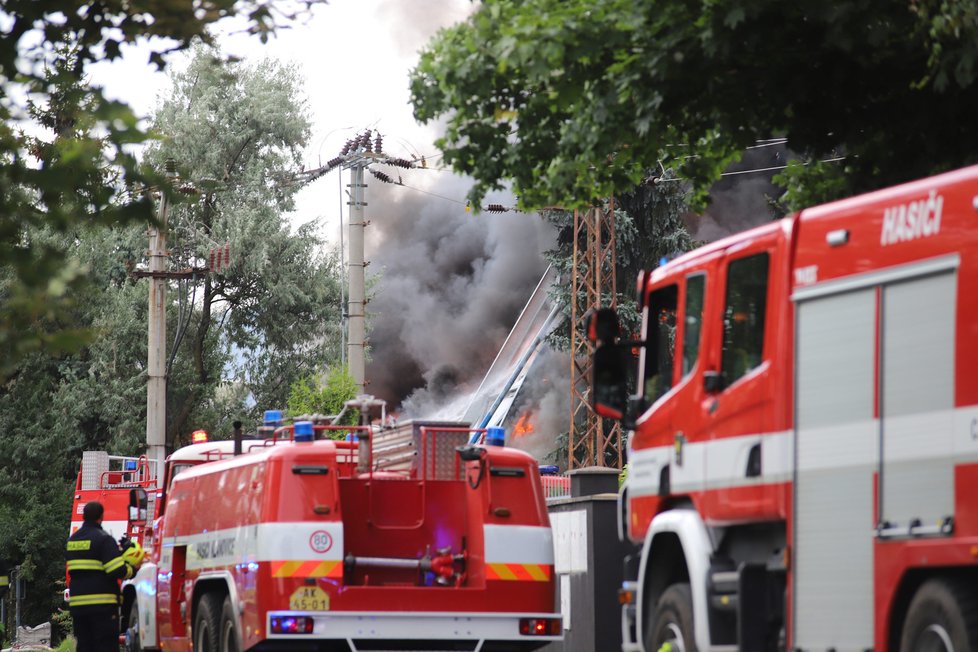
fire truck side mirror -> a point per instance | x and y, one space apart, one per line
609 381
138 503
603 326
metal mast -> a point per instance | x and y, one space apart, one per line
591 441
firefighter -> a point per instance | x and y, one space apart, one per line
95 566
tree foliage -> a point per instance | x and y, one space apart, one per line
70 183
574 100
60 179
316 394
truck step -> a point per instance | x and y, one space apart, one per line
725 582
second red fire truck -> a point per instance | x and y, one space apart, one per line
803 456
410 540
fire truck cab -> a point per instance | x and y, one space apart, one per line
803 447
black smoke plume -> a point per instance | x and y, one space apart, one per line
447 287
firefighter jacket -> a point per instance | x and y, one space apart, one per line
95 566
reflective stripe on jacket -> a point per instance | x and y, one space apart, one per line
95 566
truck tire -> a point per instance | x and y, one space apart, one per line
672 622
132 643
207 623
229 627
942 617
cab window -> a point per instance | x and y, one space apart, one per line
693 320
660 342
743 316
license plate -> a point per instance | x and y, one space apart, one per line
309 598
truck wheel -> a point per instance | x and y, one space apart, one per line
132 631
207 624
672 624
229 627
942 617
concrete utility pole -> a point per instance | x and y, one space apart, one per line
343 306
159 276
156 366
356 344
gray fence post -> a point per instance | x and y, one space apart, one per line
588 561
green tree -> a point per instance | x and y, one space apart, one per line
237 132
63 185
53 408
316 394
37 286
574 100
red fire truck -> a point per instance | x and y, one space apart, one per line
410 539
803 448
115 482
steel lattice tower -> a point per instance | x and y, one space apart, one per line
591 441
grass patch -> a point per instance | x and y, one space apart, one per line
67 645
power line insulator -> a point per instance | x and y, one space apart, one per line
399 163
379 143
496 208
381 176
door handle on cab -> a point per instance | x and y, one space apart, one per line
712 381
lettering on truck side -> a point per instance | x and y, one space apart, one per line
806 275
214 549
912 220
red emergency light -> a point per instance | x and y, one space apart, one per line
199 436
540 626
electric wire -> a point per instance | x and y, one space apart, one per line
776 167
768 169
772 143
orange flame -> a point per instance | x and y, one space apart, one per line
523 426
